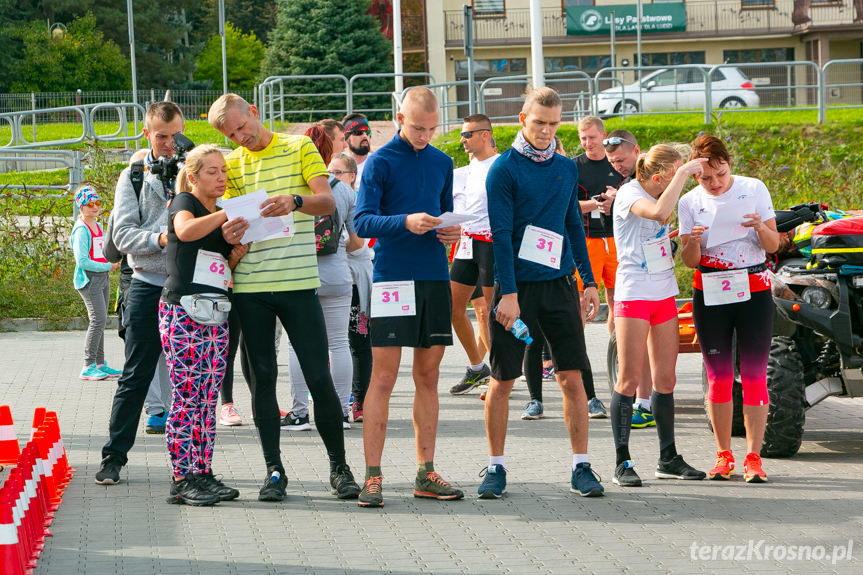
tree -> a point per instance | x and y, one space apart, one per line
327 37
244 54
79 58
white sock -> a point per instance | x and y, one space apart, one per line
579 458
643 403
496 460
478 366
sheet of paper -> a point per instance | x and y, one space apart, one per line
260 228
451 219
726 225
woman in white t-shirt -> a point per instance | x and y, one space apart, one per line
732 294
645 314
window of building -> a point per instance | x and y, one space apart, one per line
760 55
670 58
486 68
589 64
757 3
489 7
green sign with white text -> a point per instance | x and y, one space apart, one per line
655 18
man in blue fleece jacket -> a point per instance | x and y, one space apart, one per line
537 235
405 186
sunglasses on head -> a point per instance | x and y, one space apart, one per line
469 134
341 172
616 141
94 204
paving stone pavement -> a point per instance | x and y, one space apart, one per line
813 499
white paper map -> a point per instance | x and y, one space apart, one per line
261 228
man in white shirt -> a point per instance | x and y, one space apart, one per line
473 264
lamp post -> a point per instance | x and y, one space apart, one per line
224 52
537 61
397 46
130 16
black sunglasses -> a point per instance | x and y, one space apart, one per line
358 132
616 141
469 135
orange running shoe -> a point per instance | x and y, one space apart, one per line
723 467
752 471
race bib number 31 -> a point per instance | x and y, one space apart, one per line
541 246
725 287
393 299
212 269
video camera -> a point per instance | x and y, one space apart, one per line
166 168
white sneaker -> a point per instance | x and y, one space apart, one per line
229 416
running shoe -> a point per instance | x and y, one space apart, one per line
642 418
676 468
357 411
470 380
625 475
346 422
109 472
752 471
156 423
109 371
723 467
229 416
493 484
274 485
208 482
533 410
595 409
585 481
548 373
371 495
293 423
189 491
433 486
92 373
343 483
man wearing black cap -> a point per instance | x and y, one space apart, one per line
358 136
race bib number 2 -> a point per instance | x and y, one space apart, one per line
465 249
541 246
393 299
725 287
657 255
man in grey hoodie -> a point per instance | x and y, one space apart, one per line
140 231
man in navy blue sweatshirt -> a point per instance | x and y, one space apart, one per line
537 235
405 186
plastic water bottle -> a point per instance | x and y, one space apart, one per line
518 329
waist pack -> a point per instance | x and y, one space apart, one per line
207 308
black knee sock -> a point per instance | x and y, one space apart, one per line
621 424
663 414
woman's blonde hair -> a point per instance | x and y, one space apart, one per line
660 159
194 163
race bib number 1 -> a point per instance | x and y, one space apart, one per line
212 269
541 246
657 254
465 249
98 248
393 299
725 287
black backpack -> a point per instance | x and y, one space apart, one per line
109 249
327 236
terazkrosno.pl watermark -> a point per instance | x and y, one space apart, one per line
762 551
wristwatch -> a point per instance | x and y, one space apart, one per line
298 202
589 285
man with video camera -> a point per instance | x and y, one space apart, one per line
139 230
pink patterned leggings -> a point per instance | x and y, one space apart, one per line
196 356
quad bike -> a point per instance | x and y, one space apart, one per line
817 346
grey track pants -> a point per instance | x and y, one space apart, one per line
96 295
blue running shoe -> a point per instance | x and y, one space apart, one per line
585 481
156 423
533 410
493 485
642 418
109 371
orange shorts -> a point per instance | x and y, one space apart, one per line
603 261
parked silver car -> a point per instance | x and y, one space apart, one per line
679 89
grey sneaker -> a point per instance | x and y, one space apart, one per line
470 380
433 486
625 475
595 409
533 410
